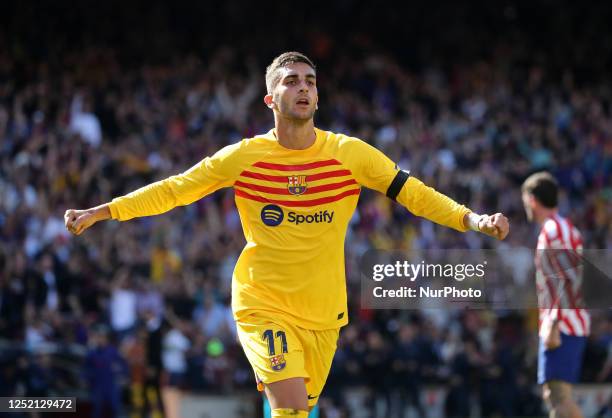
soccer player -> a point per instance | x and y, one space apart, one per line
296 188
564 324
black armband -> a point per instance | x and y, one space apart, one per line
396 185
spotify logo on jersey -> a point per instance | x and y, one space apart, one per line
272 215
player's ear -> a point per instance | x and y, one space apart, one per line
269 101
533 202
531 199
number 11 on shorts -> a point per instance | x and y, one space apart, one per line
269 336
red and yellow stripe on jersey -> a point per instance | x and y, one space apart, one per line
295 206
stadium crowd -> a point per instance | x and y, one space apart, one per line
153 294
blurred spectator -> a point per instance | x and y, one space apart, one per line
145 398
175 347
153 348
38 375
84 123
376 359
104 371
215 319
149 301
37 333
408 359
123 313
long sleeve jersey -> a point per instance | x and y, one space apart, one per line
295 206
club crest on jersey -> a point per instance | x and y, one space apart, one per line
296 184
278 362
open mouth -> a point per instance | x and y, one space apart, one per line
304 102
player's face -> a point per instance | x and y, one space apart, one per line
295 96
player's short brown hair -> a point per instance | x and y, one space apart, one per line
283 60
543 187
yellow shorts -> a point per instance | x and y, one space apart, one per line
278 350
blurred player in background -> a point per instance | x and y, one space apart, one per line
296 188
564 324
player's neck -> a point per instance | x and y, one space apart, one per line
545 214
295 135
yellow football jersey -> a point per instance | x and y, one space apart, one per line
295 206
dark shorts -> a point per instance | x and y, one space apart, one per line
563 363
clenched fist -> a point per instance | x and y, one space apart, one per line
77 221
495 226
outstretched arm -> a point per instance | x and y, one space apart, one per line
153 199
425 201
375 170
210 174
